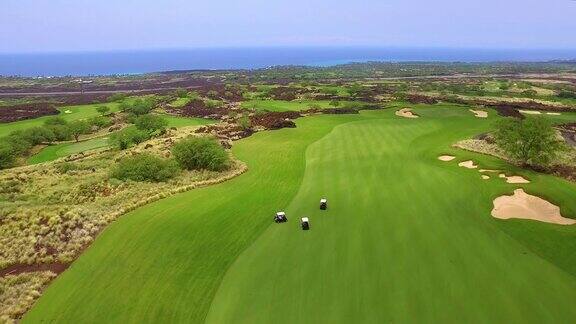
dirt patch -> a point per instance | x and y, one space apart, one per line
524 206
420 99
480 113
406 113
16 269
446 158
225 132
197 108
468 164
508 111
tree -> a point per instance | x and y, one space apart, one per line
196 153
78 128
128 137
532 141
103 110
150 123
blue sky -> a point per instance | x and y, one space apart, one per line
85 25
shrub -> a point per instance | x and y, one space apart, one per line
145 167
7 155
18 143
196 153
55 121
103 110
244 122
150 123
139 106
100 121
567 94
127 138
37 135
61 132
117 97
181 93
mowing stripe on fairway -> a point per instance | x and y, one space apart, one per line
402 241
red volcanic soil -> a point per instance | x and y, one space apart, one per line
55 267
26 111
197 108
419 99
275 119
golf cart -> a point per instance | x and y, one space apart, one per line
323 203
280 217
305 223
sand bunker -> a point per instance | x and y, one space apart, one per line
485 177
554 113
468 164
407 113
480 113
531 112
488 170
67 111
514 179
446 158
524 206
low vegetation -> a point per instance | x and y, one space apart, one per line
145 167
198 153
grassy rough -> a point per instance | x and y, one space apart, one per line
50 212
18 293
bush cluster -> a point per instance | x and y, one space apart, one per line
197 153
128 137
145 167
139 106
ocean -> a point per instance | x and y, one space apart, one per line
143 61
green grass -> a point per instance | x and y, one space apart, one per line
180 102
75 113
407 238
57 151
280 105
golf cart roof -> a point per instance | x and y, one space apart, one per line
304 219
280 213
323 200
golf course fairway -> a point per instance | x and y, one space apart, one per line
406 238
